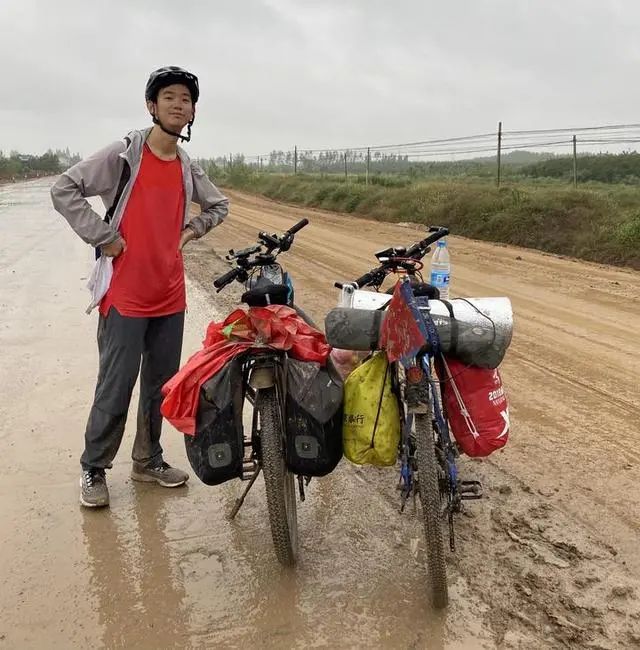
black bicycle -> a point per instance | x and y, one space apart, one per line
263 374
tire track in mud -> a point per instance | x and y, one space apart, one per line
629 407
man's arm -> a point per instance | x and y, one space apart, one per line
213 203
97 175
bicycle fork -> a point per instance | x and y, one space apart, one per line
261 376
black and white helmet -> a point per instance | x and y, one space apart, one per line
168 76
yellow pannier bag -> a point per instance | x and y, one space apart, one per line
371 427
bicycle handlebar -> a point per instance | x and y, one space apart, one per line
297 227
422 247
417 251
225 279
267 249
365 279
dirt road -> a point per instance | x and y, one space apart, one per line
548 560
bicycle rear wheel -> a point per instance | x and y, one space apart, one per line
429 486
279 482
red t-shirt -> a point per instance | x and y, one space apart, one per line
148 278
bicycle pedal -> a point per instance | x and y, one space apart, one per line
470 490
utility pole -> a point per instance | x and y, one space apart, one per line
575 164
366 178
295 159
345 167
499 149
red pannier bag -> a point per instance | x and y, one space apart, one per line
476 407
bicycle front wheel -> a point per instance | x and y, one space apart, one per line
279 482
429 487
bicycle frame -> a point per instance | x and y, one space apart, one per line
422 393
428 455
420 380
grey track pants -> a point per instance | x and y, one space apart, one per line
125 344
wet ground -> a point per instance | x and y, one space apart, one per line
548 560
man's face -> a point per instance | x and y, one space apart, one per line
174 107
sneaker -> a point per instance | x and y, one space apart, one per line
93 489
163 474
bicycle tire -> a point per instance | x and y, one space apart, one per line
429 487
278 481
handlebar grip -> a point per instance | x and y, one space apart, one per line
437 233
223 280
366 278
297 227
421 248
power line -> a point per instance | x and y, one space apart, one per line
476 143
609 127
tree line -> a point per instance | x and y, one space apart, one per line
380 162
17 165
604 167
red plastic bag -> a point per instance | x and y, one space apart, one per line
346 361
476 406
278 326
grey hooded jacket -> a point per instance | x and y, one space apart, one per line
99 175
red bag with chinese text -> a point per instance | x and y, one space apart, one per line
476 406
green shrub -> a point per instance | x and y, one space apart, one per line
597 222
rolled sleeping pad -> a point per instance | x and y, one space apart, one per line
477 331
353 329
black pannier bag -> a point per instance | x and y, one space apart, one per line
313 418
217 449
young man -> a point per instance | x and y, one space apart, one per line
138 280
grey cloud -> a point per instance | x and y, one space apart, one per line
282 72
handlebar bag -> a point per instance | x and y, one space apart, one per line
271 294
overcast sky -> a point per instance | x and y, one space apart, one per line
325 73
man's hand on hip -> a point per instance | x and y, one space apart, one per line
186 236
115 248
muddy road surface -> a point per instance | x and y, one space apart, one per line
548 560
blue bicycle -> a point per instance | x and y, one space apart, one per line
427 454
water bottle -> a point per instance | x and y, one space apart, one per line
441 269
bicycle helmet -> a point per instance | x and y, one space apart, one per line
167 76
171 74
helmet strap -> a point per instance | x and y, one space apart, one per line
184 138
